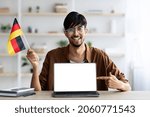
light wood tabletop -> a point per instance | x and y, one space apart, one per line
104 95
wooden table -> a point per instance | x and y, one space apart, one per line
104 95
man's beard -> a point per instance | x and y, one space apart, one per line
76 45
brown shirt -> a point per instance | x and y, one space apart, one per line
92 55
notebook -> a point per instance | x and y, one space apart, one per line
75 80
15 92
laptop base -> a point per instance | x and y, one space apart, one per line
76 94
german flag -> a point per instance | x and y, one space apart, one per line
15 43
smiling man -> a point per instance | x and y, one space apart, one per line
108 75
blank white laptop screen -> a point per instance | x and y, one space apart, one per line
74 77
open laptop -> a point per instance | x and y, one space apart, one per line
75 80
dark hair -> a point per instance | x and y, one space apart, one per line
73 19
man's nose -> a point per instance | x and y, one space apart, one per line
76 32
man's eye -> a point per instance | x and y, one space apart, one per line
70 30
80 28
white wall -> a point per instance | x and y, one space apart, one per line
138 43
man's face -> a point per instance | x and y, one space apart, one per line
76 35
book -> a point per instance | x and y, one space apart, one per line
16 92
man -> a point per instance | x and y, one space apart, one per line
108 75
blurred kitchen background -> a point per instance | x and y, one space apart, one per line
120 27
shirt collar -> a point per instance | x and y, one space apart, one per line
87 54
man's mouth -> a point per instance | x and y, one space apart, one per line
76 38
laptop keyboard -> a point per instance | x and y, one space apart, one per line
76 94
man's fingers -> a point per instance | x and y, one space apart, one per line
103 78
110 74
30 51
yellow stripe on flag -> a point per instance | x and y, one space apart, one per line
15 34
10 49
12 36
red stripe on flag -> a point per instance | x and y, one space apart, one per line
15 45
15 27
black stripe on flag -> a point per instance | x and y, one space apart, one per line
20 43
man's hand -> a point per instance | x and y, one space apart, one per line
112 82
33 58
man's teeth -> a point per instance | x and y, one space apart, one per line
76 38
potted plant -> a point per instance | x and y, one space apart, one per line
89 43
5 28
62 43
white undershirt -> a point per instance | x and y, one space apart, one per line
76 62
